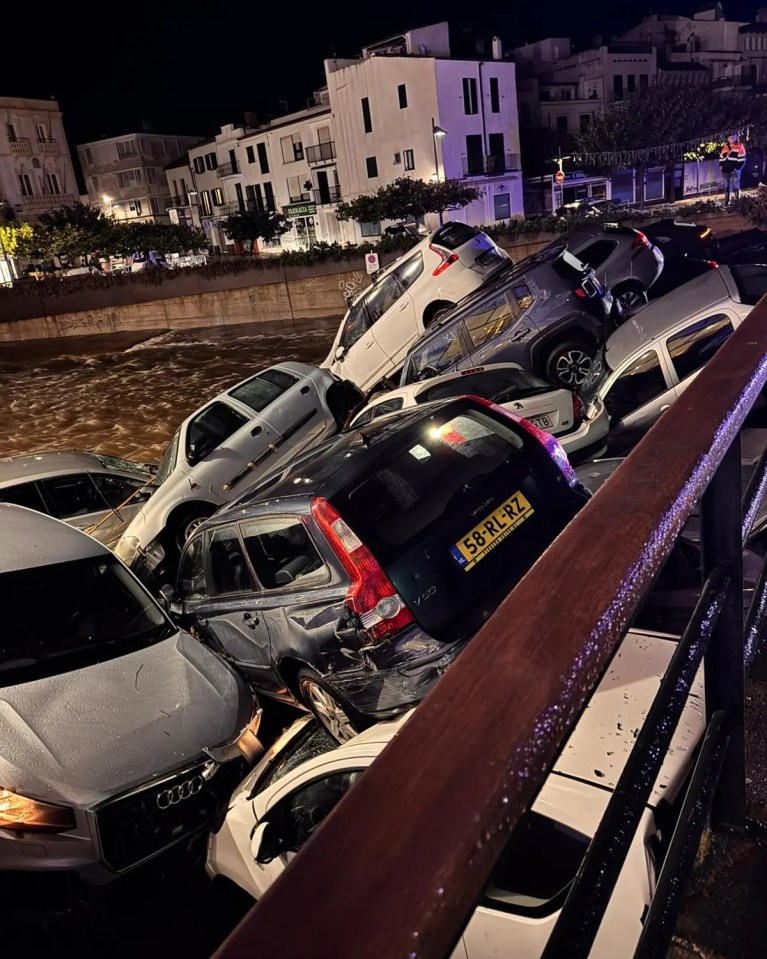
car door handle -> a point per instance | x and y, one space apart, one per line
305 390
403 307
256 431
251 620
664 408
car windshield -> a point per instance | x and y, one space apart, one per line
498 385
70 615
751 280
123 466
168 461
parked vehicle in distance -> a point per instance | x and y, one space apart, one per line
678 238
96 493
349 581
224 446
678 270
406 298
406 229
120 736
581 430
548 313
651 359
592 208
294 788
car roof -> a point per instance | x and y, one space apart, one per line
706 292
34 466
597 750
31 540
291 366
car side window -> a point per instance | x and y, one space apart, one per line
300 813
388 406
356 325
382 297
117 489
25 494
72 496
443 351
596 253
639 383
228 566
490 319
213 426
693 347
191 571
263 389
409 271
282 553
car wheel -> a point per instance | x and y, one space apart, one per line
629 297
437 312
569 363
330 709
184 524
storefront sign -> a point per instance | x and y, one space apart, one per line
576 175
300 209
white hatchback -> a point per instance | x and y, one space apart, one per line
303 777
581 429
383 323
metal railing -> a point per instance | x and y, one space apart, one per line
331 194
321 151
398 866
227 169
491 164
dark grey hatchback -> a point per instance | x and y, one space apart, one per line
350 581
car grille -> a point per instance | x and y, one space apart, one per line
139 824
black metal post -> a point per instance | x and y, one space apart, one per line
722 544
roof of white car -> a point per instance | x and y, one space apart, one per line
300 369
31 540
654 320
34 466
599 746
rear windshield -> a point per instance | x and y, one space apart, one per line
434 460
751 280
262 390
168 461
497 385
453 235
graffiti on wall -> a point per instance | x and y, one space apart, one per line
350 285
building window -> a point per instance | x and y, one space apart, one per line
562 124
495 96
402 96
250 153
240 197
469 96
253 197
618 86
372 166
41 132
199 165
269 196
151 175
126 178
263 160
496 159
297 190
292 148
397 159
370 229
583 122
407 156
155 206
217 196
644 80
52 182
137 207
367 122
12 135
126 148
630 83
88 156
206 207
211 161
502 206
25 184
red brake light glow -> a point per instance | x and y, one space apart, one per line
371 595
640 239
579 291
713 264
447 259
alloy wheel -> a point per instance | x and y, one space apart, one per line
631 300
572 367
329 711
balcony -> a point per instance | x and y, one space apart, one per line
20 146
49 146
227 169
176 202
321 152
48 201
331 194
492 164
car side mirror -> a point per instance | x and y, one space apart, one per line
340 353
266 843
169 600
197 451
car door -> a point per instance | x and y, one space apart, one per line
227 610
691 348
75 499
635 396
359 357
403 323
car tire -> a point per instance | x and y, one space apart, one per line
180 527
630 297
569 362
331 710
436 311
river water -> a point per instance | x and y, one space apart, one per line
126 393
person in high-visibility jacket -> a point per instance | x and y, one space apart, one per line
732 159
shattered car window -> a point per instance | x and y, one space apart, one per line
308 807
311 742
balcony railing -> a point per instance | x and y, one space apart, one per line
176 201
467 765
227 169
48 146
48 201
491 164
320 152
331 194
20 146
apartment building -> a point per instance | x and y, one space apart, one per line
36 173
125 176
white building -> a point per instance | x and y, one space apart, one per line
125 177
36 173
406 108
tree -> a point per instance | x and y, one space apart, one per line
247 226
407 197
131 237
71 232
14 237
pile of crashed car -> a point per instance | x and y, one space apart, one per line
333 537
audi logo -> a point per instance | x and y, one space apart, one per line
176 794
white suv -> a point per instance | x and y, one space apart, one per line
384 322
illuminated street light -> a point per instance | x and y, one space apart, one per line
436 132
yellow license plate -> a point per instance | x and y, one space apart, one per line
488 533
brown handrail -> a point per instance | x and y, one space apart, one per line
396 869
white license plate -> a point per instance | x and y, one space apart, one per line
545 422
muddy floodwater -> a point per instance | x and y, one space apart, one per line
124 393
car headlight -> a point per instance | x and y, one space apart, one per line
127 549
23 813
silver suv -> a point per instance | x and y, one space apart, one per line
119 735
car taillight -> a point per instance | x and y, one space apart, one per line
447 259
550 443
640 240
371 595
577 409
579 291
713 264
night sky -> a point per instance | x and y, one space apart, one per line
171 68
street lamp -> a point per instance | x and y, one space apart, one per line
436 132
